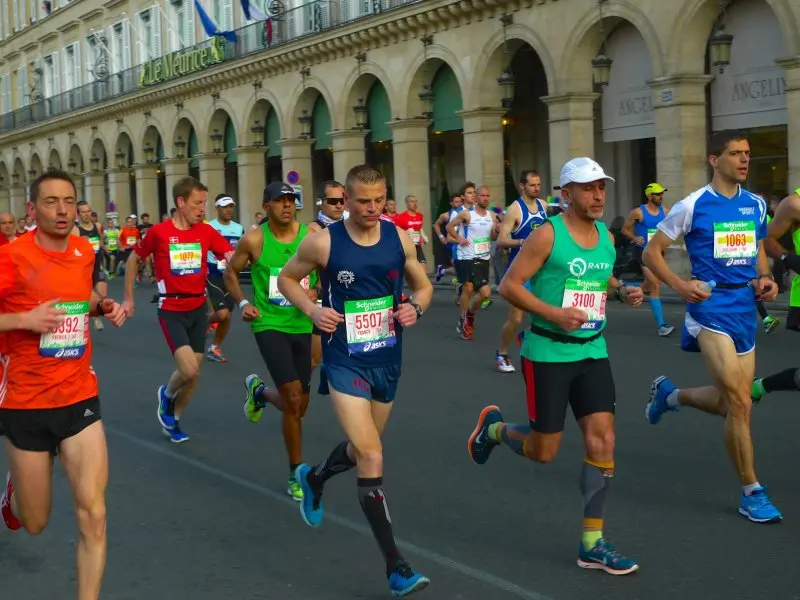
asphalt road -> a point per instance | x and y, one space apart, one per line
209 520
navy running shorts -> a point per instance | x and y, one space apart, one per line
375 383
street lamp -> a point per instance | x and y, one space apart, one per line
120 156
426 96
180 148
148 154
95 163
216 142
719 48
508 84
71 165
601 69
31 174
362 114
258 133
15 178
305 124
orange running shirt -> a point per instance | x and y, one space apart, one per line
49 370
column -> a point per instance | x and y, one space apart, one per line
5 200
792 67
252 181
483 148
18 201
212 174
147 191
94 192
174 169
571 128
412 170
296 156
119 192
348 151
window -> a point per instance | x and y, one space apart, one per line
120 46
23 96
72 66
17 16
51 76
182 12
34 11
148 43
222 14
5 94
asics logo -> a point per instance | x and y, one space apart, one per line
369 346
68 353
736 262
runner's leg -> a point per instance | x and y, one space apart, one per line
31 476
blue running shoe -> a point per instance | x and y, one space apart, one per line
480 445
603 556
404 581
757 507
311 504
166 409
176 434
439 272
657 406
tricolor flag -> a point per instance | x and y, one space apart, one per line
210 26
253 13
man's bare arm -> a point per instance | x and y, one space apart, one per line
533 254
511 221
633 217
421 288
786 216
242 255
461 218
311 254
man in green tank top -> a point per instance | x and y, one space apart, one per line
787 218
283 333
562 278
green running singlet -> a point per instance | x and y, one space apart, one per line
276 312
572 276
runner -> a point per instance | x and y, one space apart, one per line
411 221
640 226
361 262
180 249
112 247
94 233
221 302
283 333
49 398
474 255
8 232
524 216
456 206
129 236
562 277
723 226
390 211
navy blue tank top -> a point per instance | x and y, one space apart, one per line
365 284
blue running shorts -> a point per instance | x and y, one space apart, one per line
375 383
740 327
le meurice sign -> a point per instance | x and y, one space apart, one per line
182 62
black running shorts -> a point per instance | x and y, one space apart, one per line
287 356
218 293
586 385
185 328
474 271
43 429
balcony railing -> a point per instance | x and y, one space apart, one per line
300 22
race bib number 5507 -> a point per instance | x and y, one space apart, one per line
369 324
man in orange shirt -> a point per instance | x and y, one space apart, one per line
8 231
48 389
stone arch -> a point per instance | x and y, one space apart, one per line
576 65
35 168
409 103
493 60
54 160
97 150
5 176
151 137
75 162
182 130
358 85
258 109
686 52
303 98
216 119
151 132
124 145
18 170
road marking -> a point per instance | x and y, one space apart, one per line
429 555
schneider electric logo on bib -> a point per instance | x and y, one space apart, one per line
578 267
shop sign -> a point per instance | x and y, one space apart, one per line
182 62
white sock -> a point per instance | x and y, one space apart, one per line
212 347
749 489
672 399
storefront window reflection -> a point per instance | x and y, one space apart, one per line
769 163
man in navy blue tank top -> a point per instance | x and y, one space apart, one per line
361 261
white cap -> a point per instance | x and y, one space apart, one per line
224 201
581 170
132 217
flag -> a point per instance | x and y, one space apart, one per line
253 13
210 27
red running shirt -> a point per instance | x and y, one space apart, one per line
412 224
180 261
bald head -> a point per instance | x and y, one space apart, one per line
484 196
8 224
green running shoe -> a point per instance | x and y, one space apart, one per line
486 303
254 405
757 392
770 323
294 490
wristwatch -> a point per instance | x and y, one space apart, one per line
417 308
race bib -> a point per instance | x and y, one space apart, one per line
735 243
416 236
185 259
483 246
588 296
369 324
130 240
275 296
650 234
69 340
113 243
95 242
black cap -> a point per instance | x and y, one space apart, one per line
277 189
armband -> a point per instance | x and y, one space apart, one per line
243 303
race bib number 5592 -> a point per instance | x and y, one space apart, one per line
69 340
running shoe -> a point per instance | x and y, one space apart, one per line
756 506
770 324
253 402
486 303
176 434
404 581
657 406
603 556
11 521
294 490
665 330
311 504
480 445
757 392
166 409
440 271
503 363
98 323
215 355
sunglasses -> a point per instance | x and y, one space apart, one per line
334 201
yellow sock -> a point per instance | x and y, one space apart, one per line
590 538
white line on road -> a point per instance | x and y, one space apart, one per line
435 557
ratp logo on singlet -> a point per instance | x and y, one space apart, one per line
578 267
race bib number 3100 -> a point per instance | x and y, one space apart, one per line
735 243
69 340
369 324
588 296
185 259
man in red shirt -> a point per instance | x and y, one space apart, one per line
389 211
180 248
8 228
411 221
49 395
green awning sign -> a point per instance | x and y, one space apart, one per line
182 62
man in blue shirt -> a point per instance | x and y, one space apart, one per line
218 296
723 226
